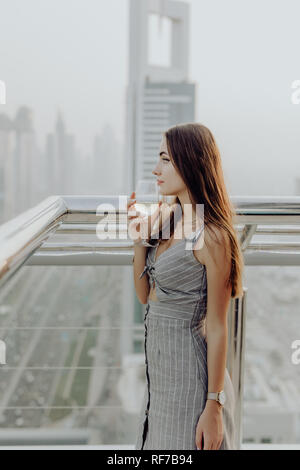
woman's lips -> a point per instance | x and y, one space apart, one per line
159 182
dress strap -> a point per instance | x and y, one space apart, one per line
198 233
193 237
146 268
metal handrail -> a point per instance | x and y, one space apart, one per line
23 240
22 236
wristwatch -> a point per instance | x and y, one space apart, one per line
220 397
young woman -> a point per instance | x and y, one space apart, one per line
189 399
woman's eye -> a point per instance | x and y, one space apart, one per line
166 160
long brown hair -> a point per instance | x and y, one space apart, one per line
195 155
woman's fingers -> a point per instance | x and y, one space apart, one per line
130 203
137 229
131 199
133 210
136 215
139 219
201 441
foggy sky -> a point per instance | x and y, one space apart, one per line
73 55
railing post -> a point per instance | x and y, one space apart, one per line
236 356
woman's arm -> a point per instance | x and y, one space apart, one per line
138 225
217 260
218 265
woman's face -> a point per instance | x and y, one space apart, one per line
172 183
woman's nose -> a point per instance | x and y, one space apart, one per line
155 172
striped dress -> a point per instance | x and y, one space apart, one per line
176 353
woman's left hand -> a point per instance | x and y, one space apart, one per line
210 427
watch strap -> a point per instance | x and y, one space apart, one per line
213 395
220 397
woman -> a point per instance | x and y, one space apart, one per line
189 399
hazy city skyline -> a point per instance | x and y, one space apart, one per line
84 111
80 65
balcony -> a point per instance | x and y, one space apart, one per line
72 330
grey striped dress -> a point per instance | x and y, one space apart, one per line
176 353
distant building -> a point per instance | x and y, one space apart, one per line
7 169
18 164
60 159
158 96
25 158
164 104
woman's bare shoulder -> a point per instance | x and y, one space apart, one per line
216 239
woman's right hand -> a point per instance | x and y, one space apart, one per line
140 226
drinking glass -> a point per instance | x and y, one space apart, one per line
147 196
147 199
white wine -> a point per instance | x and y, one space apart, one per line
147 204
146 208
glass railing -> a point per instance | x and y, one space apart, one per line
73 367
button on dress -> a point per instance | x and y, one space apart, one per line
176 353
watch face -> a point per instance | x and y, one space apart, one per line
222 397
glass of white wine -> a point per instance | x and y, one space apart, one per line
147 199
147 196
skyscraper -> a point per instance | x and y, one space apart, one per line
158 95
7 169
25 158
60 158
